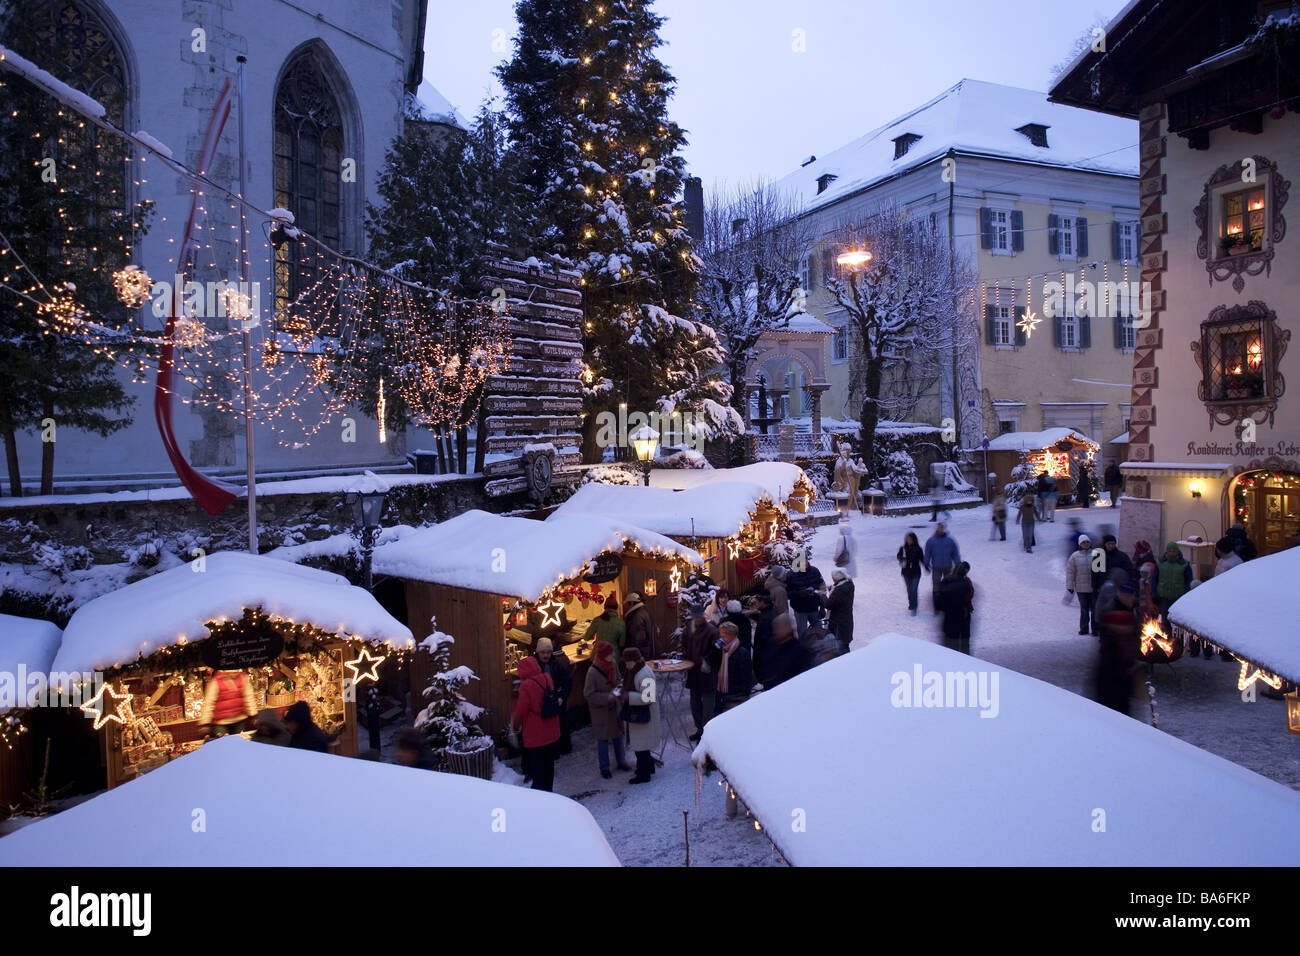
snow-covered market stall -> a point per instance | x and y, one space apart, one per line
1059 451
27 649
501 583
1251 610
199 650
726 522
784 482
237 801
1045 776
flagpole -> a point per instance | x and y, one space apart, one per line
249 440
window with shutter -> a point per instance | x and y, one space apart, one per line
1017 231
828 263
1085 332
986 227
1081 228
1054 235
1021 338
990 316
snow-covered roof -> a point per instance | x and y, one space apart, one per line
28 642
972 117
1033 441
518 557
1247 610
1120 439
174 607
718 510
778 478
268 804
428 104
1022 781
803 322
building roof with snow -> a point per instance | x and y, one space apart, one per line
1019 781
29 643
778 478
174 607
1251 610
717 510
1033 441
517 557
972 118
431 106
299 808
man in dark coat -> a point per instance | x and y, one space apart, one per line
786 658
805 601
1085 487
1241 543
744 628
762 630
1111 559
305 734
839 604
698 637
640 629
1114 483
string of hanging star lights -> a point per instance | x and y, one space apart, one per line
349 332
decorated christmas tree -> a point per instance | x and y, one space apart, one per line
588 115
448 719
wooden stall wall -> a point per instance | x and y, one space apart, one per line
633 577
474 619
16 774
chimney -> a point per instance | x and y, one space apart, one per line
693 199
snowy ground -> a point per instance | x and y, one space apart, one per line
1019 623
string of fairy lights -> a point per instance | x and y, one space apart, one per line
351 332
1107 297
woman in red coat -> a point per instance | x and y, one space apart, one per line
540 733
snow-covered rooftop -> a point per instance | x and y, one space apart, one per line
174 607
718 510
28 642
1247 610
1033 441
518 557
1030 784
431 105
972 117
804 322
300 808
778 478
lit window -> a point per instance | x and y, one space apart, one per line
1242 223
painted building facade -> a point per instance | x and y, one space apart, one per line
1028 192
1215 435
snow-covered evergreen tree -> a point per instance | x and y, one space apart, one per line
448 719
588 115
899 475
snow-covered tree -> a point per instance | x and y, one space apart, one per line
899 475
448 720
601 163
754 240
908 305
445 196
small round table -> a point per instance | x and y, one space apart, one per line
671 675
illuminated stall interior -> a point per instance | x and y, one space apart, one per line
1058 450
498 584
226 629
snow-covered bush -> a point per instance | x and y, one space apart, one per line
448 720
686 458
899 476
60 560
619 473
1022 480
818 474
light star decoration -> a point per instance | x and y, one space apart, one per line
1246 677
674 580
1028 322
733 548
95 706
551 608
365 658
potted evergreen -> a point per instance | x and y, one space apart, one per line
448 719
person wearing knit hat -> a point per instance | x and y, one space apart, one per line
1078 581
608 626
638 625
642 701
839 605
561 674
603 703
1111 559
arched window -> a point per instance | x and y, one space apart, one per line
82 50
309 150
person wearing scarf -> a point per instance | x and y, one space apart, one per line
735 668
640 690
599 690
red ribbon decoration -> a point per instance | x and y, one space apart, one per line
211 495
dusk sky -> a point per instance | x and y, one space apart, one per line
755 107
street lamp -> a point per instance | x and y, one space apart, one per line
645 441
367 507
853 258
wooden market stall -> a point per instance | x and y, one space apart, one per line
497 584
288 633
724 521
1060 450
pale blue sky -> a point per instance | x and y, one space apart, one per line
753 105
